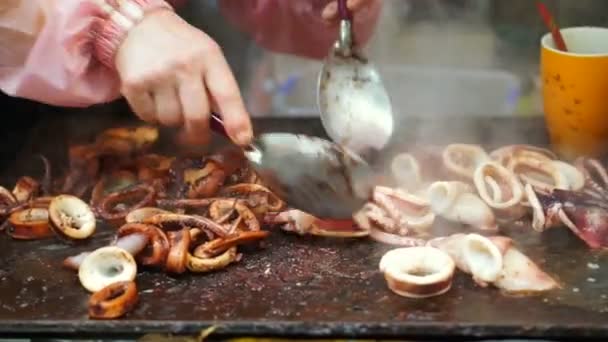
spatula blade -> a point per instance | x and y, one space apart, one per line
312 174
355 107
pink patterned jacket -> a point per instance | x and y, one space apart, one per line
46 55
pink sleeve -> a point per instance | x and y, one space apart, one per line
46 53
295 26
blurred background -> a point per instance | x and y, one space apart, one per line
438 57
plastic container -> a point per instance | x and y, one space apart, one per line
416 91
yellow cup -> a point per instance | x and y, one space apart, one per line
575 92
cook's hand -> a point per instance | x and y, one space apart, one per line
174 74
330 12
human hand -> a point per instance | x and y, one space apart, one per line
330 12
174 74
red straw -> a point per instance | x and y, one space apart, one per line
552 26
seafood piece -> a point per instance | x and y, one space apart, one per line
575 178
199 264
204 182
505 154
30 224
407 211
178 221
133 243
417 272
148 244
542 174
25 189
113 301
105 266
500 189
127 140
455 201
223 210
406 172
585 215
218 246
461 160
374 219
495 260
115 206
582 213
116 181
302 223
179 242
152 166
473 254
71 217
395 217
521 276
141 214
545 214
595 174
257 197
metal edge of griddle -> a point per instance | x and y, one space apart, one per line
285 329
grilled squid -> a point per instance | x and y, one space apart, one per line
505 154
418 272
105 266
396 217
461 160
495 260
456 202
541 173
473 254
500 189
71 217
585 215
595 175
302 223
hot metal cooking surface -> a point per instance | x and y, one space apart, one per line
294 285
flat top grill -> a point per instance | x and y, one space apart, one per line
293 286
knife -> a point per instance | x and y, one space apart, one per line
311 174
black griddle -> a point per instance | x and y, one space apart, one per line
296 286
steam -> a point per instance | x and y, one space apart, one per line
441 64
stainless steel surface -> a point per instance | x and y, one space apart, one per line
312 174
309 173
354 105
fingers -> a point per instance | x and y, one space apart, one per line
141 103
226 94
168 107
195 106
330 12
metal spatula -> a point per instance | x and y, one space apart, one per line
355 108
309 173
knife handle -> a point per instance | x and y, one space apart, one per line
343 11
217 125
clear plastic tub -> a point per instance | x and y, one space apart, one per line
416 91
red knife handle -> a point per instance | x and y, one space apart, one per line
217 125
343 10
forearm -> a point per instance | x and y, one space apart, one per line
295 26
59 52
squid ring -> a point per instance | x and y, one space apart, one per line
105 266
145 192
113 300
30 224
71 217
418 272
200 265
156 253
